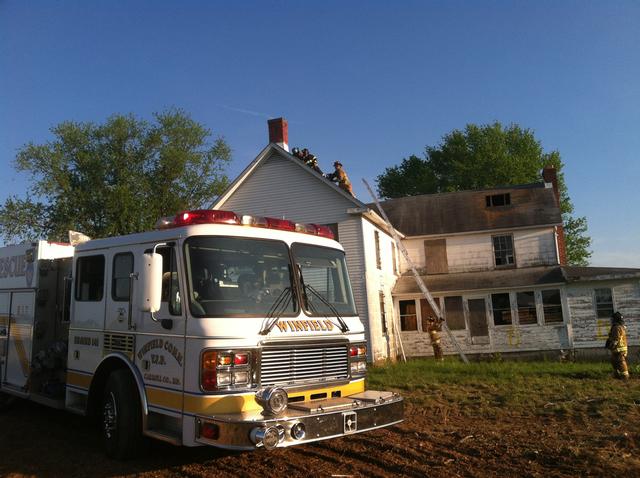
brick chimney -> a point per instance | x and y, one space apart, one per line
550 175
279 132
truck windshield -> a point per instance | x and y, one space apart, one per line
238 277
325 277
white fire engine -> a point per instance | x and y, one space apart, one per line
215 329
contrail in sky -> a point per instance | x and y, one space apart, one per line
247 112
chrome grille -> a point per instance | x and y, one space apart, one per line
293 365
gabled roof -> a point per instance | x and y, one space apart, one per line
273 148
466 211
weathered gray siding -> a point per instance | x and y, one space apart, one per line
590 331
350 233
474 252
281 188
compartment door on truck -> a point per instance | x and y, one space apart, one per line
20 338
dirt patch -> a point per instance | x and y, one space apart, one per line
437 442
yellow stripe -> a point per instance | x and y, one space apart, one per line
164 398
203 405
79 380
4 320
22 353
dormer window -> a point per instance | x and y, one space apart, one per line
498 200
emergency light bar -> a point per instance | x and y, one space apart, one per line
212 216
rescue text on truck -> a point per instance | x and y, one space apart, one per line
216 329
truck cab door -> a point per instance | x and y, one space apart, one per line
160 340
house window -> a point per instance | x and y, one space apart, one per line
527 308
501 306
120 284
604 303
552 306
454 313
408 316
503 250
383 314
498 200
90 279
394 259
376 236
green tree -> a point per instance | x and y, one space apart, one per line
481 157
115 178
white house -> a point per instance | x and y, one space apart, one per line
277 184
495 260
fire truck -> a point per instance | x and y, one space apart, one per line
215 328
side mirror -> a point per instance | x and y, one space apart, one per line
150 283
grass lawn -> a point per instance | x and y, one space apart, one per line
523 388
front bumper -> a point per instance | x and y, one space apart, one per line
321 420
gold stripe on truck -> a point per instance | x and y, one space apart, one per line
214 405
79 380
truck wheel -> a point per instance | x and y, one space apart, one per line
121 424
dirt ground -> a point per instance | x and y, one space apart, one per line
36 441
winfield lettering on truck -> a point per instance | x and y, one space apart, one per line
305 325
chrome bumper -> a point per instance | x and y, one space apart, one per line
322 419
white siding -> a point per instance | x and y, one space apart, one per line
379 280
535 247
588 330
350 234
280 188
474 252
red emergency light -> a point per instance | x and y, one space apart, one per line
213 216
205 216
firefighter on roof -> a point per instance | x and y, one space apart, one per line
617 343
434 327
340 177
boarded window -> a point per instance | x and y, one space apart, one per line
383 314
408 316
454 313
527 308
501 309
604 303
90 279
503 250
498 200
435 253
120 284
552 305
376 237
426 311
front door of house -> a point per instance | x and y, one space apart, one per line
478 320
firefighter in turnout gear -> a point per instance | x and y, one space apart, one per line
340 177
434 327
617 343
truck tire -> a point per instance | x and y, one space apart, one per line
121 422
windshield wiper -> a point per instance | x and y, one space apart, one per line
280 305
343 325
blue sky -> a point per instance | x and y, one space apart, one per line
367 83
